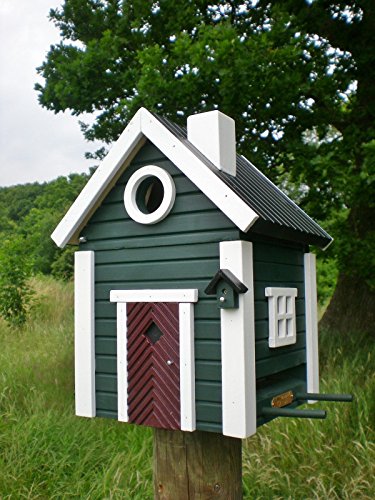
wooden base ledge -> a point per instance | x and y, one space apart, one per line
196 465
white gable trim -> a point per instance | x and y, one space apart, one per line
145 125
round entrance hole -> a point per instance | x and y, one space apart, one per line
149 195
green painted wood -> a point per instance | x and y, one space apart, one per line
168 270
208 370
105 309
157 254
267 367
209 426
106 364
279 369
209 412
170 240
149 152
106 414
277 254
208 349
263 351
106 401
105 327
179 223
106 383
268 271
207 330
208 391
105 345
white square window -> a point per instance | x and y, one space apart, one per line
281 316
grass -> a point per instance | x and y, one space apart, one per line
48 453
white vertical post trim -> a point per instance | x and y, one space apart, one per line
187 367
122 363
84 333
238 345
312 352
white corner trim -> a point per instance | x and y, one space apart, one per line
142 125
281 316
122 364
238 345
206 180
311 305
130 195
175 295
84 334
187 358
187 367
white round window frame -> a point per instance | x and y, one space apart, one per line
130 195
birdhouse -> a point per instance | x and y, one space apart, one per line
195 290
226 287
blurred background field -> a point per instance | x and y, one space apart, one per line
46 452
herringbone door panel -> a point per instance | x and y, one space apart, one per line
153 364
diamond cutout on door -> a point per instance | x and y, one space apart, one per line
153 333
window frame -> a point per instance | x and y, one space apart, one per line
285 317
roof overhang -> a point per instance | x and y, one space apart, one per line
144 125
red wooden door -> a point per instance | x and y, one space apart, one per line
153 364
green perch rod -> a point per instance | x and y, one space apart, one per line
343 398
290 412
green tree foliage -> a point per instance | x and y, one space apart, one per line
15 290
31 212
296 76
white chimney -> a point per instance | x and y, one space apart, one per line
214 134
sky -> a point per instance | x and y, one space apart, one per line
35 144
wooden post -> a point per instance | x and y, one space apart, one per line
196 465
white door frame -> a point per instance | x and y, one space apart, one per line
185 299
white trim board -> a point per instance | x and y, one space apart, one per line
186 346
311 305
142 125
84 334
174 295
238 345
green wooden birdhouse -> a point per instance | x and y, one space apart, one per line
195 289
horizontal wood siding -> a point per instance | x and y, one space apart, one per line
182 251
283 368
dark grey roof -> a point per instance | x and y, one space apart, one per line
279 216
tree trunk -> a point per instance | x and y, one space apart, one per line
196 465
352 308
